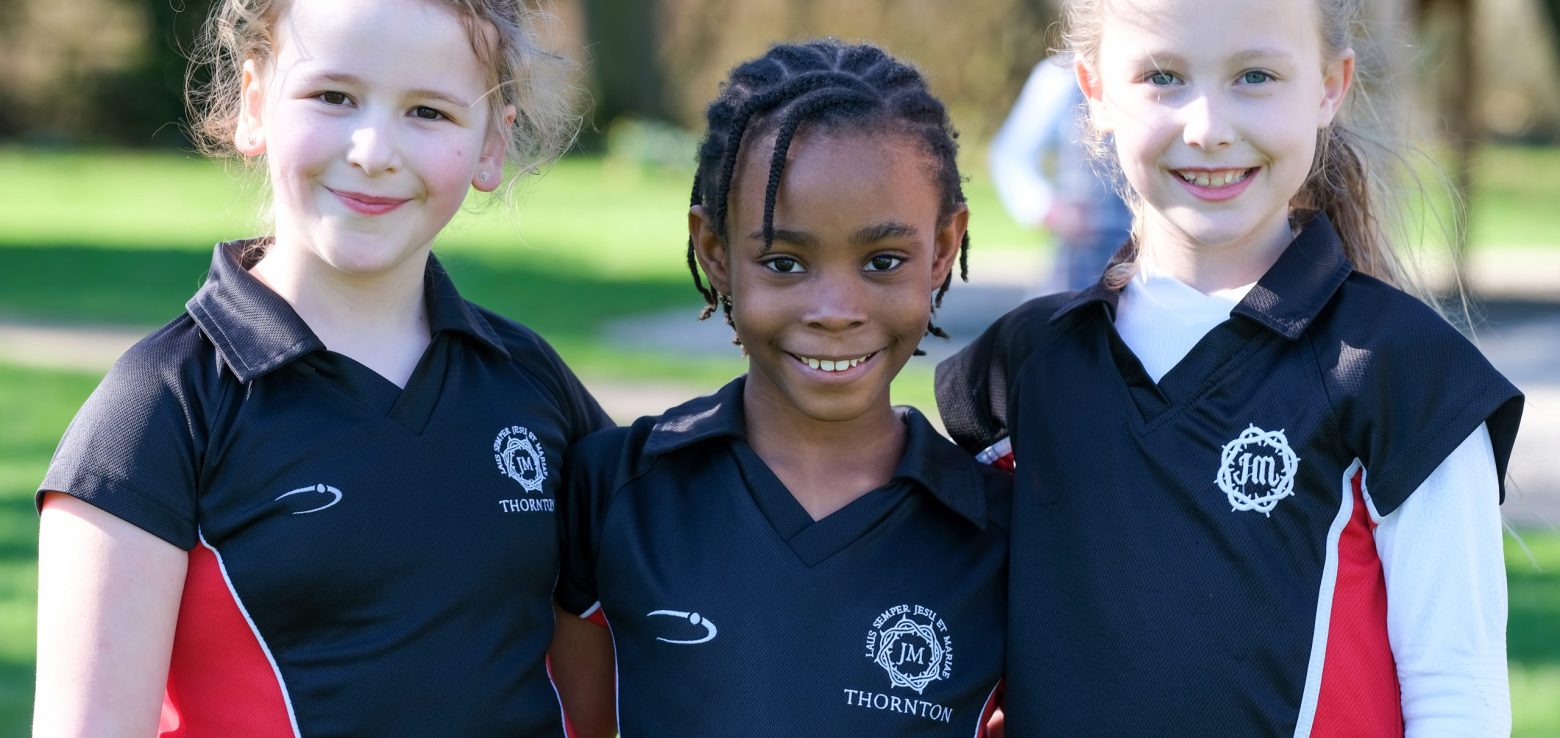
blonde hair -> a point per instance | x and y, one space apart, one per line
1361 158
503 33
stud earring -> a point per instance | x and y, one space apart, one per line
483 175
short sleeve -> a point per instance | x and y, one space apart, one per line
591 476
1409 390
133 448
587 414
975 386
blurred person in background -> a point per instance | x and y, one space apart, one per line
1041 166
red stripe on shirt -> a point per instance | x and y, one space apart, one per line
220 681
1359 693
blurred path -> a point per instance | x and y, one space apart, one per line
1517 321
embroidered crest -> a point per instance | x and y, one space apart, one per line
520 457
1257 469
911 643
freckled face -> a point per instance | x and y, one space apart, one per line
1215 107
374 124
832 311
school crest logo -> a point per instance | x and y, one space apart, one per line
912 644
520 457
1257 469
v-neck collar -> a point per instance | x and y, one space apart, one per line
930 464
1283 302
255 331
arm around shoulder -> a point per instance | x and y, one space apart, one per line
108 603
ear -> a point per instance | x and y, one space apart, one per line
1337 76
946 248
249 131
1094 93
491 163
709 249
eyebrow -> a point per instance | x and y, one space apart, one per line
1244 57
1250 54
863 236
351 79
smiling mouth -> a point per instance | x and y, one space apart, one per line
368 204
833 365
1214 178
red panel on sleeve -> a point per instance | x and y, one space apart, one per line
1359 694
220 680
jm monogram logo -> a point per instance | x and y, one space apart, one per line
1257 469
519 456
911 643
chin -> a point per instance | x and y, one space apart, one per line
366 256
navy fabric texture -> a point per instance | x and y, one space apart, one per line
1170 539
734 613
395 548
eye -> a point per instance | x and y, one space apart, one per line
423 112
1160 78
783 265
1256 77
883 263
333 98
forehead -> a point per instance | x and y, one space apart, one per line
413 43
836 175
1133 29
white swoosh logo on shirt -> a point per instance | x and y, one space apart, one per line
692 617
323 489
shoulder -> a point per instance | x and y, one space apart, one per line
176 362
1372 327
1407 386
522 343
610 457
975 387
537 359
1019 333
135 447
1033 323
616 445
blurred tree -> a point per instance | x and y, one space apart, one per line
626 70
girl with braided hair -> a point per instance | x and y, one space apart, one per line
793 546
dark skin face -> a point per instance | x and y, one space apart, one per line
833 309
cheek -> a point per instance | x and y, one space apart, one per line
906 306
1137 154
447 163
301 145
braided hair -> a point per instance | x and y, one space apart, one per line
834 86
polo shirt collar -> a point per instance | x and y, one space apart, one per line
929 460
1285 300
255 331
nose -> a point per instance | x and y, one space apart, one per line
837 303
1205 124
373 148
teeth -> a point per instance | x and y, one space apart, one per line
1214 179
828 365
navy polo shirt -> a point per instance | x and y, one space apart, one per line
734 613
1191 556
364 559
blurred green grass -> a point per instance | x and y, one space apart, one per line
125 238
